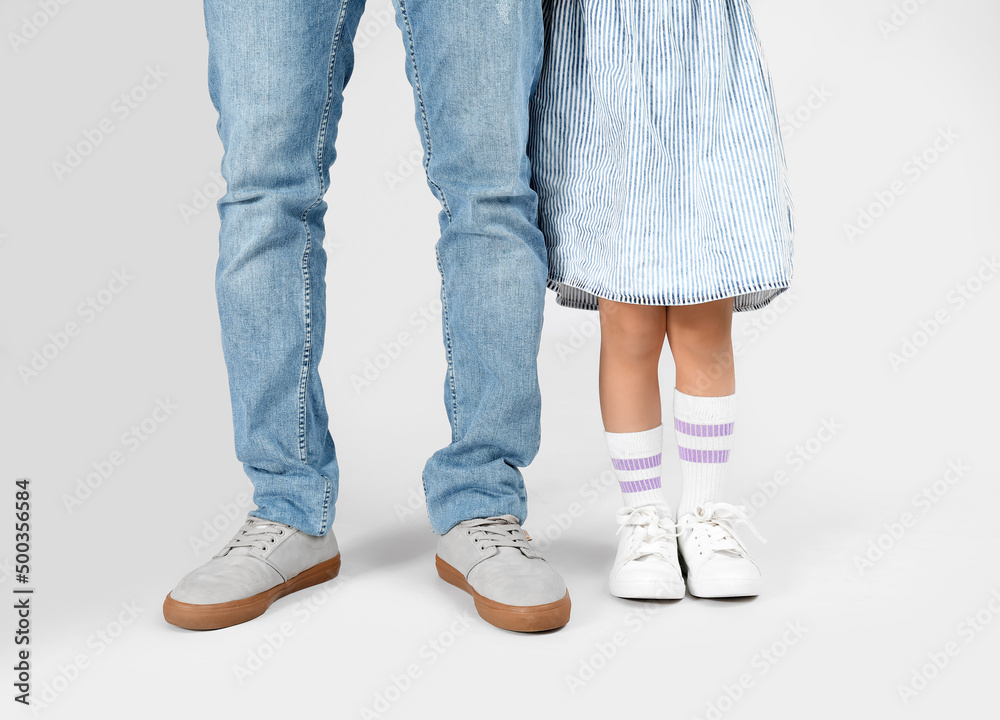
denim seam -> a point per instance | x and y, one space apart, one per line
411 55
306 254
448 352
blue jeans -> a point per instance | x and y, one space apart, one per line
277 71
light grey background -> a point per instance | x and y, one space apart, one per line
867 101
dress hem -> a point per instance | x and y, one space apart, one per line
557 284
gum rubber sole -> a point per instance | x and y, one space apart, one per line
519 618
192 616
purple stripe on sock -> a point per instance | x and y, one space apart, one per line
703 456
703 430
635 463
634 486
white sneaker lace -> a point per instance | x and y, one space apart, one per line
652 531
499 531
256 532
714 523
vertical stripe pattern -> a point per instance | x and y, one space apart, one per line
657 156
692 449
703 456
636 458
703 430
634 486
636 463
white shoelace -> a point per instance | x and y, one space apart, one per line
651 533
715 524
497 532
256 532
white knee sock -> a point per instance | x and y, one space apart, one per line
704 428
636 457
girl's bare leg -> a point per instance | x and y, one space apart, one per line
704 403
631 342
701 340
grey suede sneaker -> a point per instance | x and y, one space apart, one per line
264 561
512 585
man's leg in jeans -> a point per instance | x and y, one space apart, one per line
473 65
277 69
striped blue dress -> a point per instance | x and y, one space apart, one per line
657 156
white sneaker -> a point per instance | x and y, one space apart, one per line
264 561
717 563
646 564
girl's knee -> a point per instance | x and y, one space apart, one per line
635 331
